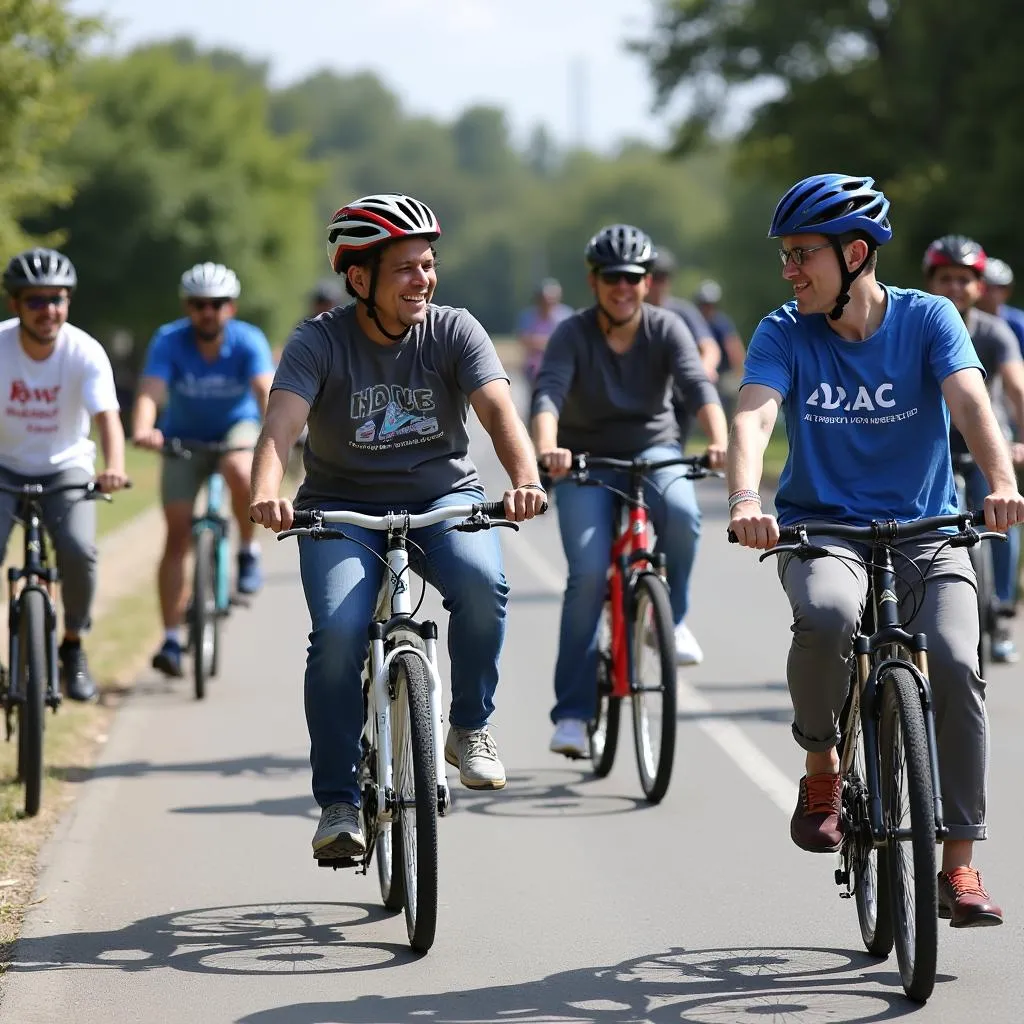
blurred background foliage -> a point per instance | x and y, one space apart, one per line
143 163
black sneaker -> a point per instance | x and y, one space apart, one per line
78 684
168 659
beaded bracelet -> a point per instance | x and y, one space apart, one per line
536 487
745 495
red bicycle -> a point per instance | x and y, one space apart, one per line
636 639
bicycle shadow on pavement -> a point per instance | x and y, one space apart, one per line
544 793
254 939
702 986
261 765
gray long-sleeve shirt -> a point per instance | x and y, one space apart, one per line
618 405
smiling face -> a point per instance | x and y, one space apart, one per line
815 279
961 285
209 316
42 312
406 280
619 294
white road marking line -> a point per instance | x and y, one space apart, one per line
734 742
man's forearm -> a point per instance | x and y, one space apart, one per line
710 356
711 417
269 463
108 425
747 444
987 445
143 415
513 448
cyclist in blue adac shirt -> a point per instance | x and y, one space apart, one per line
211 374
868 376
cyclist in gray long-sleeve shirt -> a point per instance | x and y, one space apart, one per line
605 388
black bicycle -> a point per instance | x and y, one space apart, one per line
33 679
888 758
636 654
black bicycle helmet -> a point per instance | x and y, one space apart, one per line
39 268
620 247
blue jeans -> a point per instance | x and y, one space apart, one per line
1005 554
341 581
587 522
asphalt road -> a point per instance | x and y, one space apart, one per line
181 886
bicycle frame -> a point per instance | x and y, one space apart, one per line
213 518
38 575
874 654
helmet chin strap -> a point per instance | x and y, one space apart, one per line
846 277
371 306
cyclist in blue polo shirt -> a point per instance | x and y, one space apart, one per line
211 374
869 377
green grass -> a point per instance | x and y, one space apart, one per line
143 470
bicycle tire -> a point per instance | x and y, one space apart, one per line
415 777
33 660
221 552
981 560
387 838
866 864
204 612
902 728
650 620
603 730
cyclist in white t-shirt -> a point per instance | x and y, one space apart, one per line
55 381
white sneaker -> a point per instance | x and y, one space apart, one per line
571 738
688 651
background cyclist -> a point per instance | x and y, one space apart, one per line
212 375
604 388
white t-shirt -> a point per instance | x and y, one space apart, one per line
47 406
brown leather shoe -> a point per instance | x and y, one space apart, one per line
815 822
963 899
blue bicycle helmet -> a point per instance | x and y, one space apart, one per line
834 205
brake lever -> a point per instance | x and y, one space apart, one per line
805 552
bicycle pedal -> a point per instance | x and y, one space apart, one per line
338 862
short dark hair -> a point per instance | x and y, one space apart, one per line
853 236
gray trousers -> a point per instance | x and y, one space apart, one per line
828 595
71 524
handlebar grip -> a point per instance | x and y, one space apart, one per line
733 539
492 509
302 519
977 515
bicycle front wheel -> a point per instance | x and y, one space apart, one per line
653 684
32 669
414 832
908 813
603 731
204 613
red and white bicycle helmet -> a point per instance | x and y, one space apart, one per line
375 220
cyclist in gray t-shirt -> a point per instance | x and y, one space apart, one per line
953 267
386 385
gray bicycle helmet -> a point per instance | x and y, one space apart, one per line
997 273
709 293
620 247
210 281
39 268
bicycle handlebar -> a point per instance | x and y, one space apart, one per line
36 490
179 448
584 461
879 530
307 519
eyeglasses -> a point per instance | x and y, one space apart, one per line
200 304
615 276
38 302
799 254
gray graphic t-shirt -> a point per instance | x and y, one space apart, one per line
618 405
387 424
995 344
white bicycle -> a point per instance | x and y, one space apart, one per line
401 769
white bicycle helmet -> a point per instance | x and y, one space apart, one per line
210 281
374 220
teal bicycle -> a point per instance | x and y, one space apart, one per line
212 598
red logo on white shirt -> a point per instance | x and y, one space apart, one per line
21 392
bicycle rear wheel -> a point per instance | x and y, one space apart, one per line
32 669
414 831
866 865
653 684
908 809
603 731
203 613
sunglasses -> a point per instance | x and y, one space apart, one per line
38 302
616 276
798 255
200 304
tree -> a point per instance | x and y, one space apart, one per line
39 44
174 165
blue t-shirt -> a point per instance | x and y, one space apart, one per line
206 399
867 425
1015 318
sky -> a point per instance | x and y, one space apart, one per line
561 63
